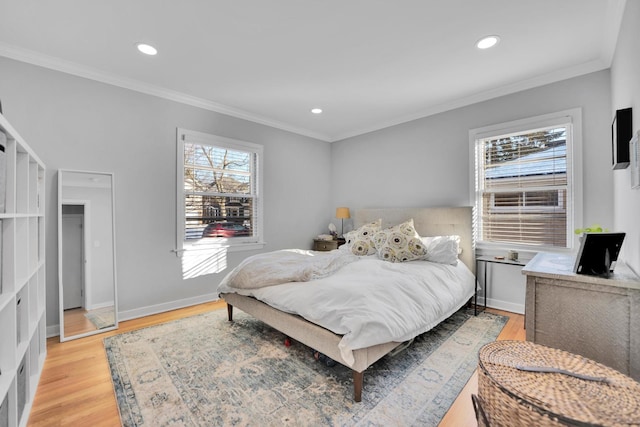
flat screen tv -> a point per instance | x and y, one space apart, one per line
598 253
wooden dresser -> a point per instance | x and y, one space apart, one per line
596 317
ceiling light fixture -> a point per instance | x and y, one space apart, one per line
146 49
316 110
487 42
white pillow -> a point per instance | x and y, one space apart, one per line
399 243
442 249
360 241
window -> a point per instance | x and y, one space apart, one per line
219 196
525 194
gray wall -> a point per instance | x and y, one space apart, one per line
426 162
75 123
625 84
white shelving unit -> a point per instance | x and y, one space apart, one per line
23 345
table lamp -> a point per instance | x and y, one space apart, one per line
342 213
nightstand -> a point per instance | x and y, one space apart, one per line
324 245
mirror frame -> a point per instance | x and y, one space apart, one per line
61 202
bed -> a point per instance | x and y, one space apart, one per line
327 337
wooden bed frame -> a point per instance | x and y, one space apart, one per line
428 222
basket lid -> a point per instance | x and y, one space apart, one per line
560 384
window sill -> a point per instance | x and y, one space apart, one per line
224 245
524 252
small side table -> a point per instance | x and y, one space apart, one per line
327 245
488 260
324 245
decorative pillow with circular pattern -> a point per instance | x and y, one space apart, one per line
399 243
359 241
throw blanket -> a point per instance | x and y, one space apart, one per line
289 265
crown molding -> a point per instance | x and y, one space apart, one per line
520 86
614 18
68 67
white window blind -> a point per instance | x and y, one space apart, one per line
524 187
219 191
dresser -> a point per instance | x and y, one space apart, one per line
595 317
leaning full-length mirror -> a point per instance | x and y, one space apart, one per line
86 254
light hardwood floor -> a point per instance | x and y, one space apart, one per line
76 323
75 387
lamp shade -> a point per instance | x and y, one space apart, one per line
342 213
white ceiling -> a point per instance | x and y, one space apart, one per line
367 63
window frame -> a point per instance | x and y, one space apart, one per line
573 119
256 241
527 207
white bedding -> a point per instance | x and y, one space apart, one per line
371 301
288 265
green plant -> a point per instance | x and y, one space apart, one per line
595 228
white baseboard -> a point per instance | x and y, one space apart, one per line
168 306
100 305
54 330
503 305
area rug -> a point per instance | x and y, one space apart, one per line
206 371
101 317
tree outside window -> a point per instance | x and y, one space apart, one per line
220 194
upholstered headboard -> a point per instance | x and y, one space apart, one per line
429 222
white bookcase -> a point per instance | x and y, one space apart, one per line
23 343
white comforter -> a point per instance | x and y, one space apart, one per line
371 301
289 265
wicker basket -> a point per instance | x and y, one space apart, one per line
516 388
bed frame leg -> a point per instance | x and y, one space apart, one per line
358 380
230 312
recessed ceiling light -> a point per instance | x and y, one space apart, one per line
146 49
487 42
316 110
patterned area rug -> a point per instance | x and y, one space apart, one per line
101 317
206 371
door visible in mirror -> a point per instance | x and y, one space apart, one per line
86 254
